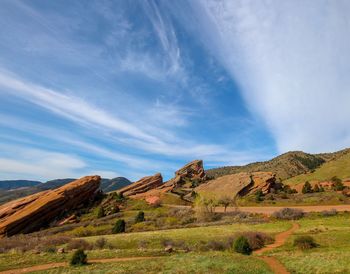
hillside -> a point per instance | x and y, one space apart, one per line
109 185
339 167
285 166
12 184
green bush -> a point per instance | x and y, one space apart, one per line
241 245
79 258
307 188
140 217
338 186
305 242
119 227
259 196
101 212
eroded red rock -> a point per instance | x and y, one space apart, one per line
30 213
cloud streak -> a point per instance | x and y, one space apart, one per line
291 60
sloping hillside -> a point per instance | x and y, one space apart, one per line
12 184
285 166
339 167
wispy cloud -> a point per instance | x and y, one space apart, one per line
28 163
291 60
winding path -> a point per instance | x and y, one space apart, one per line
276 266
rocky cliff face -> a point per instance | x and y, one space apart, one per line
191 171
143 185
30 213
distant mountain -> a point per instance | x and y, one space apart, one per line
107 185
55 183
285 166
114 184
12 184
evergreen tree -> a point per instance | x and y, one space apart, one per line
119 227
307 188
140 217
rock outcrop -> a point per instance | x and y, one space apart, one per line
143 185
33 212
238 184
191 171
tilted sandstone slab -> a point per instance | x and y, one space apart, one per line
193 170
151 187
143 185
239 183
30 213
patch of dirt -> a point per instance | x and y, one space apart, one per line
280 239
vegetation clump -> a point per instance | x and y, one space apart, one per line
307 188
305 242
101 212
241 245
288 214
79 258
119 227
259 196
140 217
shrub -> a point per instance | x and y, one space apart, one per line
119 227
307 188
305 242
259 196
79 258
79 244
101 212
101 243
256 240
241 245
216 245
316 188
331 212
338 186
288 214
140 217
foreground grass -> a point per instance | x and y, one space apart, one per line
191 236
128 244
208 262
333 254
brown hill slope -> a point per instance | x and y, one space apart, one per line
285 166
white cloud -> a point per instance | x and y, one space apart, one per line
28 163
291 59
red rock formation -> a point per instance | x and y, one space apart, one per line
143 185
239 183
35 211
193 170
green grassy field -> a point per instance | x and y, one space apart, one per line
332 233
208 262
333 253
191 236
339 168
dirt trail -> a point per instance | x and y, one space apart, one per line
55 265
280 239
268 210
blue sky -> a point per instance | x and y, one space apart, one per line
131 88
